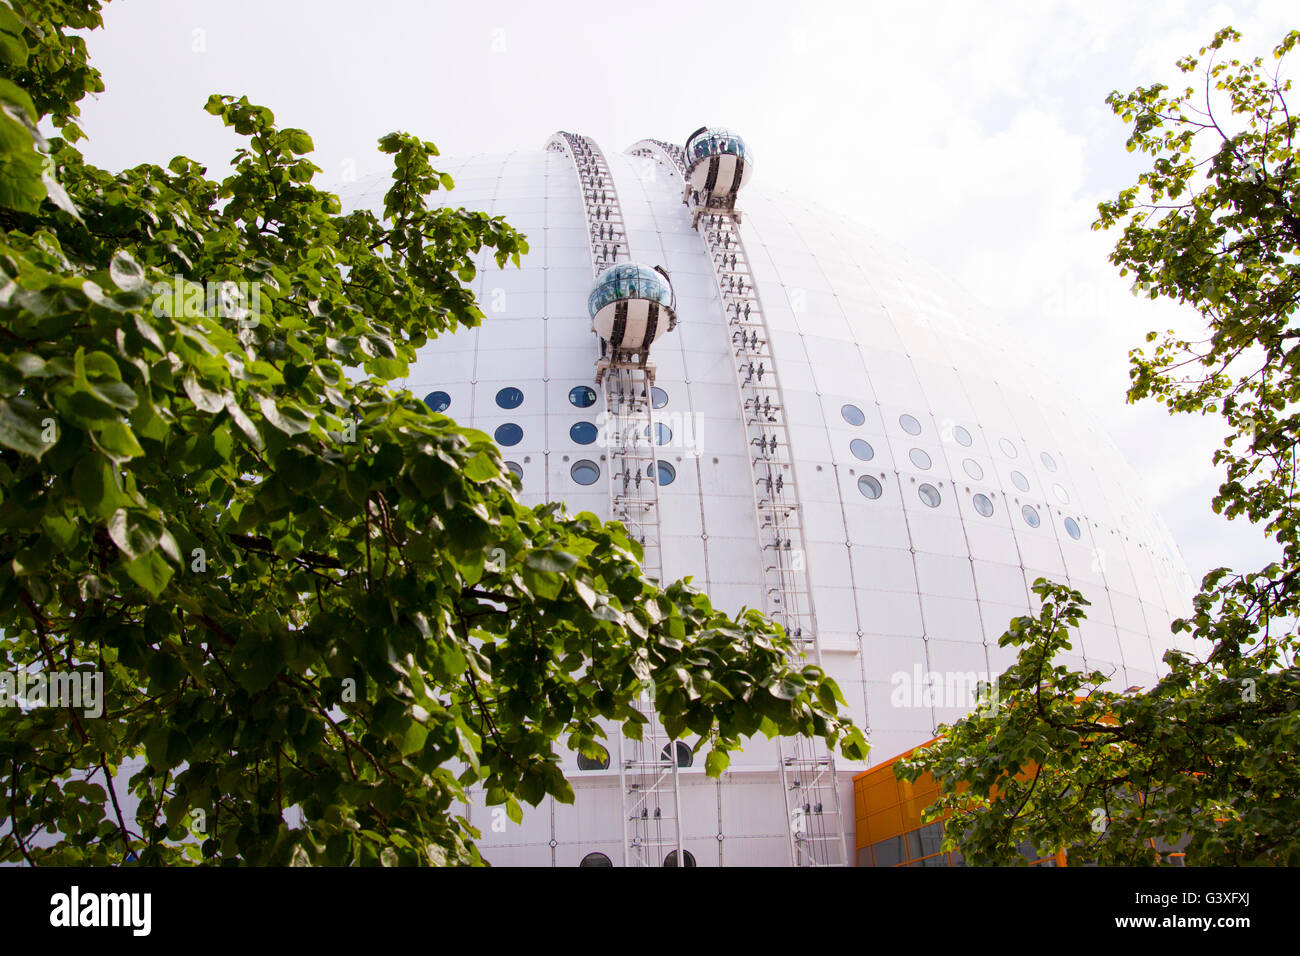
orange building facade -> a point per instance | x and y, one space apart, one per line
889 830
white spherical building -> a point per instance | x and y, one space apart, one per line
840 438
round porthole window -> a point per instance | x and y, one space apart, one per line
1008 448
584 433
596 859
516 468
671 859
983 505
862 450
663 434
853 415
919 458
1020 481
658 397
962 436
594 763
1072 529
1061 495
973 469
585 472
510 397
509 434
582 396
929 494
1048 461
869 487
667 473
684 756
438 401
1030 514
909 424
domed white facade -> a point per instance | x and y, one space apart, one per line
938 472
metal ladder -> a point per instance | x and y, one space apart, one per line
634 468
807 767
648 768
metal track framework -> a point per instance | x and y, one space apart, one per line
807 767
648 768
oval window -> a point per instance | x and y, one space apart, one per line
1007 447
594 763
510 397
962 436
973 469
438 401
585 472
1072 529
663 434
909 424
929 494
1030 514
919 458
582 396
983 505
684 756
584 433
869 487
852 414
509 434
862 450
1020 481
1048 461
516 468
667 473
1061 494
658 397
596 859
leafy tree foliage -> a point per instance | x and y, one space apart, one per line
304 589
1210 753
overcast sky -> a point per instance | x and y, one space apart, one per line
974 133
